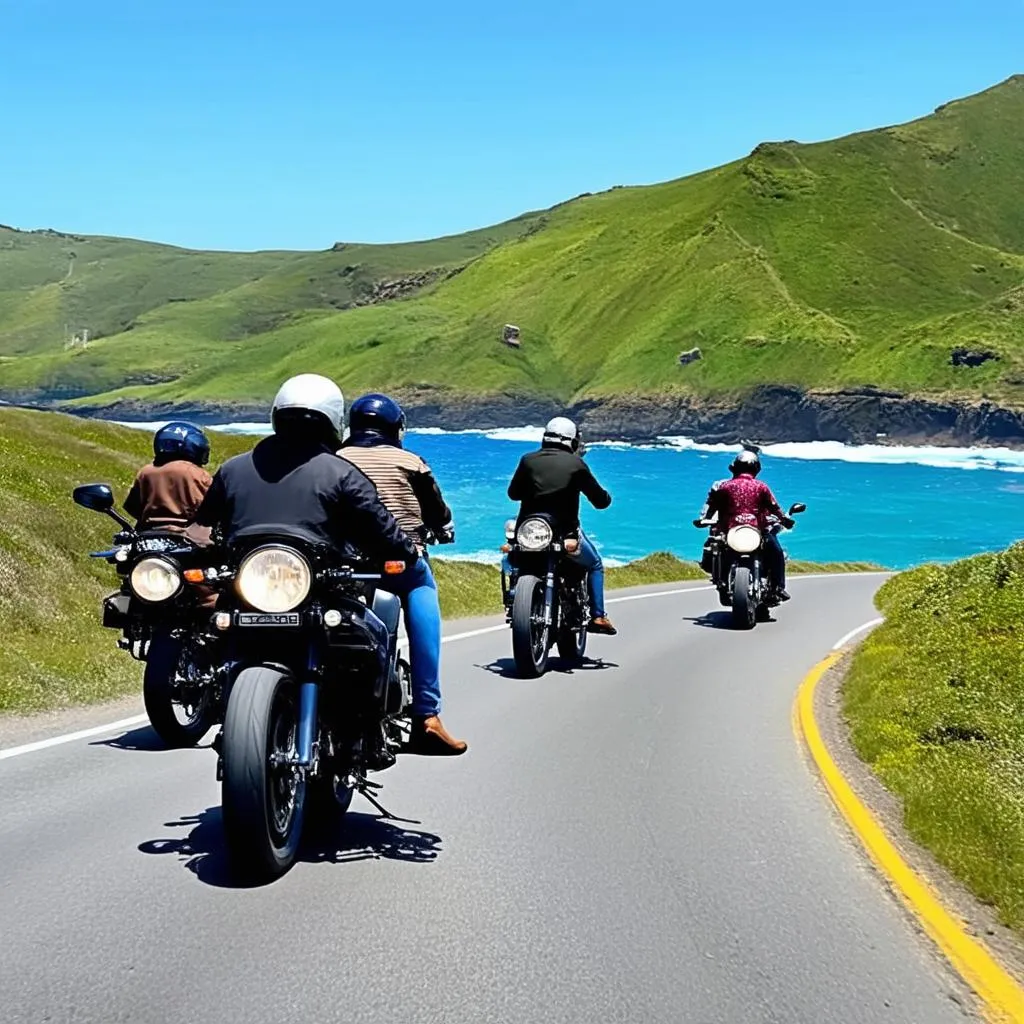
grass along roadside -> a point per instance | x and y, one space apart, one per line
935 704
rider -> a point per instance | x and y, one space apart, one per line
408 489
168 491
292 481
744 494
549 482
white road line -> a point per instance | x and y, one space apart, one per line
70 737
857 632
126 723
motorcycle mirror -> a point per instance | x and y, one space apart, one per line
797 508
99 498
95 497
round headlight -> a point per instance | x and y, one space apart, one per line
155 580
273 579
534 534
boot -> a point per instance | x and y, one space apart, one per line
431 738
602 624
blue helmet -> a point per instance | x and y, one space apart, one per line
181 441
377 414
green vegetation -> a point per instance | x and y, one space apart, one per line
863 260
935 700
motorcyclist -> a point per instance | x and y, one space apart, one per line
168 491
744 494
293 482
549 482
408 489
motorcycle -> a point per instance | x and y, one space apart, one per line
544 594
735 562
160 616
319 695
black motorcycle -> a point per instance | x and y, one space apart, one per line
545 595
158 610
735 562
319 696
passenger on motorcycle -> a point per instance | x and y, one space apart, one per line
549 482
408 489
744 494
167 493
293 481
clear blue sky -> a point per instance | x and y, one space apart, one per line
217 124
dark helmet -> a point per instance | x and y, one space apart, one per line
746 462
377 414
181 441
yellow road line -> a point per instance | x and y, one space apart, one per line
1002 996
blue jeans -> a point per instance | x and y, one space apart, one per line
418 591
775 560
589 559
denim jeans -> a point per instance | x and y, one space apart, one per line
418 592
775 560
589 559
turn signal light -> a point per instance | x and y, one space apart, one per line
505 548
394 568
194 575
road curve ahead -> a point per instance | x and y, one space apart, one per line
641 840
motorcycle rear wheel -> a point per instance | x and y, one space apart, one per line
744 611
572 636
530 635
263 801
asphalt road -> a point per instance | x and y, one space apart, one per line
641 840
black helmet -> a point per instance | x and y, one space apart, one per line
377 414
746 462
181 441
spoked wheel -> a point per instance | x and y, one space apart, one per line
572 635
744 610
262 793
178 722
530 635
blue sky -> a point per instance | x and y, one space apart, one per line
294 125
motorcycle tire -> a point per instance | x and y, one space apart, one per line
530 640
158 696
743 610
263 805
572 643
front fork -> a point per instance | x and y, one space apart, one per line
309 694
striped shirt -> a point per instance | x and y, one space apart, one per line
405 485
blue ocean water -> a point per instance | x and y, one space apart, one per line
890 505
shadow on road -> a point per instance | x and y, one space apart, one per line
357 836
506 667
719 620
143 738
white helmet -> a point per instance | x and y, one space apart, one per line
311 393
561 431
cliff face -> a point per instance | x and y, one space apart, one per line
767 414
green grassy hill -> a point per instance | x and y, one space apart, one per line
864 260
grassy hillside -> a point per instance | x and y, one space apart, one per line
936 704
862 260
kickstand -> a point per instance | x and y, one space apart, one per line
384 812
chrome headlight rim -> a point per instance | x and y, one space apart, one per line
535 534
147 564
248 586
744 539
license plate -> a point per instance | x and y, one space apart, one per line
269 619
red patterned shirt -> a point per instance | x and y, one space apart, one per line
740 499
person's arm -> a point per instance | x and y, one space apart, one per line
591 489
435 512
372 527
517 487
214 508
710 507
133 503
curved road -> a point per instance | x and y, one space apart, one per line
638 841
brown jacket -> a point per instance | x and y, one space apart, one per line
166 497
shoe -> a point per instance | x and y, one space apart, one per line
782 595
603 625
430 738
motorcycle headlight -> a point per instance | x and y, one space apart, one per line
155 580
534 535
273 579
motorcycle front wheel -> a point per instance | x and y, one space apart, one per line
744 611
177 724
530 636
263 796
